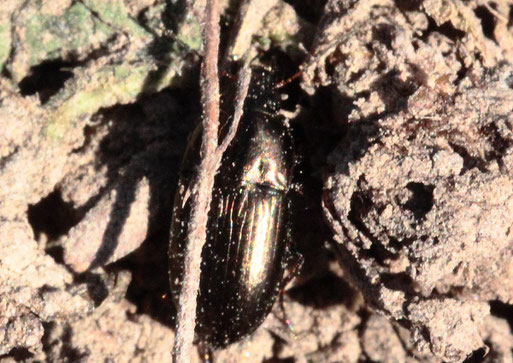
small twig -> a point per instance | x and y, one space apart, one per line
201 192
201 195
244 78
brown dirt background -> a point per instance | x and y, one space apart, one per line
404 121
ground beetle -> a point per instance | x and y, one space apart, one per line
245 255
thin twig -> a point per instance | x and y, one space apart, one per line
244 78
201 194
201 191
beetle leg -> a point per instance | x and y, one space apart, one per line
294 264
293 258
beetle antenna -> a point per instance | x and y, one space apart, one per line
288 80
313 59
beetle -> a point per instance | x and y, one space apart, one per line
247 249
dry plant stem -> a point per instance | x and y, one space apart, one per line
201 197
201 193
244 78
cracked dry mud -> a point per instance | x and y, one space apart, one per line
405 126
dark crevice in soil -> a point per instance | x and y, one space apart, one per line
488 21
478 355
149 289
398 245
5 159
421 200
316 132
310 10
424 332
393 91
341 108
498 142
446 29
502 310
332 61
408 5
380 253
398 282
279 360
126 137
4 72
469 161
318 129
463 71
364 313
385 34
324 291
174 14
89 133
56 252
509 81
361 205
278 345
52 216
19 354
354 77
48 327
68 352
357 273
46 79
